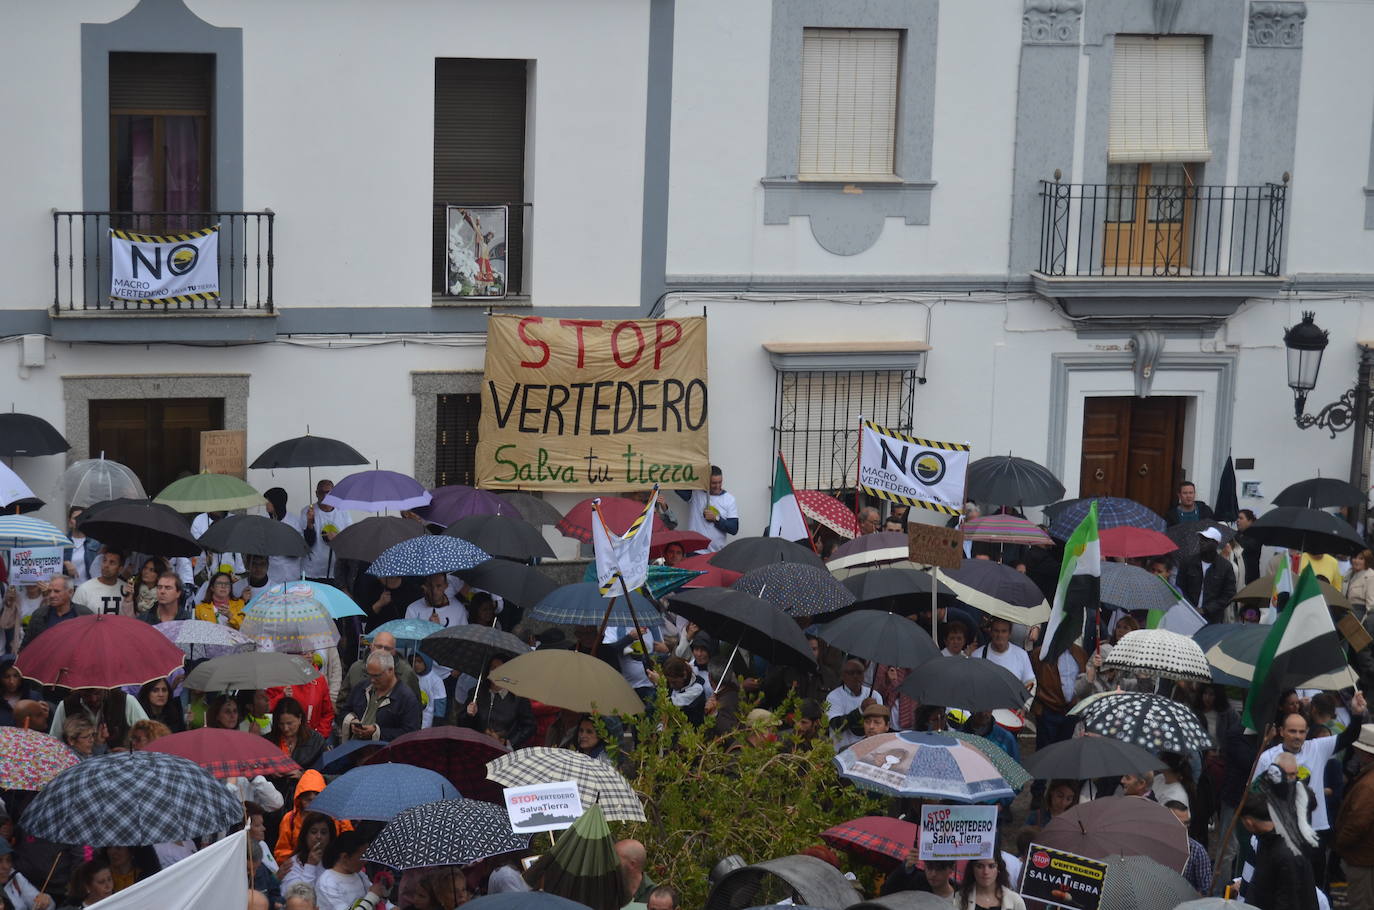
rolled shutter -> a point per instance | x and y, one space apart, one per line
848 103
161 82
1159 100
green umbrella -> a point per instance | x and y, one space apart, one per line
583 866
660 580
1015 775
209 493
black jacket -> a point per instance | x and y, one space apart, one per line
1212 593
399 714
507 711
1173 516
1282 881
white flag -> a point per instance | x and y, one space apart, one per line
214 877
922 473
622 558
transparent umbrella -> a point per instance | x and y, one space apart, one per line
93 480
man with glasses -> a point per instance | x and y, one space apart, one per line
382 643
380 708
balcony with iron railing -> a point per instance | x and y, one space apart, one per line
1104 244
83 260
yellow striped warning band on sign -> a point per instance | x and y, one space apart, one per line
907 500
209 296
162 238
916 440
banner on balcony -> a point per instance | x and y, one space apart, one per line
171 268
918 472
594 404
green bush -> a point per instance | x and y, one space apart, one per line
707 797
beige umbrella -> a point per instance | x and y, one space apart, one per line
1263 588
568 679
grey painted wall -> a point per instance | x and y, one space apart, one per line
658 122
843 222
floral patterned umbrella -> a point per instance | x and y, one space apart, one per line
1150 721
199 638
825 509
928 765
29 759
290 618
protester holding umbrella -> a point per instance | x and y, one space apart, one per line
219 605
493 708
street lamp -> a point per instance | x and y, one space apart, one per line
1306 343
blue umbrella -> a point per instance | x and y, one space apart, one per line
336 602
341 758
428 555
379 792
581 604
407 630
1112 512
528 900
21 532
928 765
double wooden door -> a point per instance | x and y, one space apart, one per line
1133 447
157 438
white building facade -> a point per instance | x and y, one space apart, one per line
1074 231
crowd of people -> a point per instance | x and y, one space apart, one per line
1284 813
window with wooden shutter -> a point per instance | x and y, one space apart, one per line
848 103
479 151
1159 100
160 134
455 439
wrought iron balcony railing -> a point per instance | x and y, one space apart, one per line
82 260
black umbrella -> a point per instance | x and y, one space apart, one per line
520 584
977 685
754 552
367 539
140 525
885 637
533 509
256 534
23 506
451 832
742 619
1319 493
1089 757
999 581
510 538
1188 536
308 452
1226 507
27 435
1308 530
796 588
469 648
1006 480
876 584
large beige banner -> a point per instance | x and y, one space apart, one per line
592 404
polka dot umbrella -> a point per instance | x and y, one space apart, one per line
1152 722
825 509
428 555
797 589
290 618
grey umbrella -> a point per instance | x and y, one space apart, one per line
1140 883
747 553
1006 480
251 670
1129 587
742 619
885 637
256 534
510 538
534 510
1188 536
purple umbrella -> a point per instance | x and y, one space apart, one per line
457 501
374 491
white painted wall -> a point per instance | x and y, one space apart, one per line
338 125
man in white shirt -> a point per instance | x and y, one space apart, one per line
1313 754
437 606
632 655
319 523
105 592
845 702
1002 652
281 569
712 514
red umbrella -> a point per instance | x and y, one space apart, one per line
715 576
227 753
459 754
1128 542
99 652
618 512
691 542
825 509
876 840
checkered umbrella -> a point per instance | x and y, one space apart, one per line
796 589
875 839
1112 512
428 555
597 782
1132 588
1159 652
29 759
290 618
227 753
459 754
1140 883
131 798
450 832
1150 721
469 648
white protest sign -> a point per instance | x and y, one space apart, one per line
922 473
172 268
958 832
28 567
543 807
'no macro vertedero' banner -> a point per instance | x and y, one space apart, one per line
593 404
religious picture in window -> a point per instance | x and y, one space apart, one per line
477 251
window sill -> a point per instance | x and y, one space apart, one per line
849 178
483 303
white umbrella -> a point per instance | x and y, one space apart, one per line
93 480
12 488
1159 652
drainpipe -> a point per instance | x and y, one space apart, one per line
1359 459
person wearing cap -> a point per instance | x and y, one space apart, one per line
1207 579
18 890
1354 829
760 727
877 719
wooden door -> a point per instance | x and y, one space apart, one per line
1132 447
1149 217
158 439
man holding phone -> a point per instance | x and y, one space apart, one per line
379 708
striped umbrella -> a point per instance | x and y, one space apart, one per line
1005 529
289 618
869 550
825 509
21 531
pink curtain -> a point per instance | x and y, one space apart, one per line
184 177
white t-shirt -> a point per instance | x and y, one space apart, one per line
281 569
840 702
631 667
99 597
1314 755
724 503
433 686
316 563
334 891
454 614
1016 660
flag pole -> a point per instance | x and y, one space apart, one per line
788 471
1235 816
858 470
